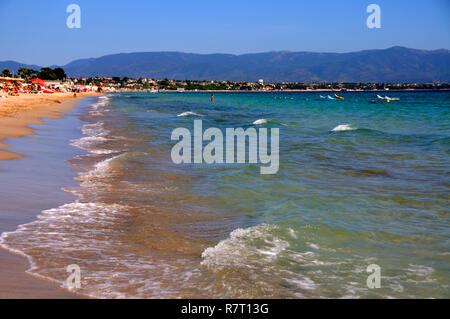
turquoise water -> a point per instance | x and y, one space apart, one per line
360 182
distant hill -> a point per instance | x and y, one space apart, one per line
396 64
13 66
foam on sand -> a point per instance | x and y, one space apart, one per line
98 108
55 236
97 136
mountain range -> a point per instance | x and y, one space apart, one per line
396 64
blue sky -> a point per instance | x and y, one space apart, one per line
35 31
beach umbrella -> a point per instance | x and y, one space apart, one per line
38 81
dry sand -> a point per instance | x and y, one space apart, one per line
16 113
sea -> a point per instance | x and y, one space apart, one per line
359 206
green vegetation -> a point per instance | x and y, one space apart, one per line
6 73
27 73
52 74
44 74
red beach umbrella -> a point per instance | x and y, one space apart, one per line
38 81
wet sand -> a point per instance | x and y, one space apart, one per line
15 283
16 114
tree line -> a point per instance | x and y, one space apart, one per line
44 74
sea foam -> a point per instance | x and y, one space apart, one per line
260 121
247 252
188 113
343 127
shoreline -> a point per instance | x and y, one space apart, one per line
18 284
16 114
289 91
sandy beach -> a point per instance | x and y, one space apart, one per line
16 114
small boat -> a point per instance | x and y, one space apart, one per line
380 97
330 98
338 97
322 97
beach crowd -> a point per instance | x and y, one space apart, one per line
16 86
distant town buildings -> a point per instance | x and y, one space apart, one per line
150 84
57 79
